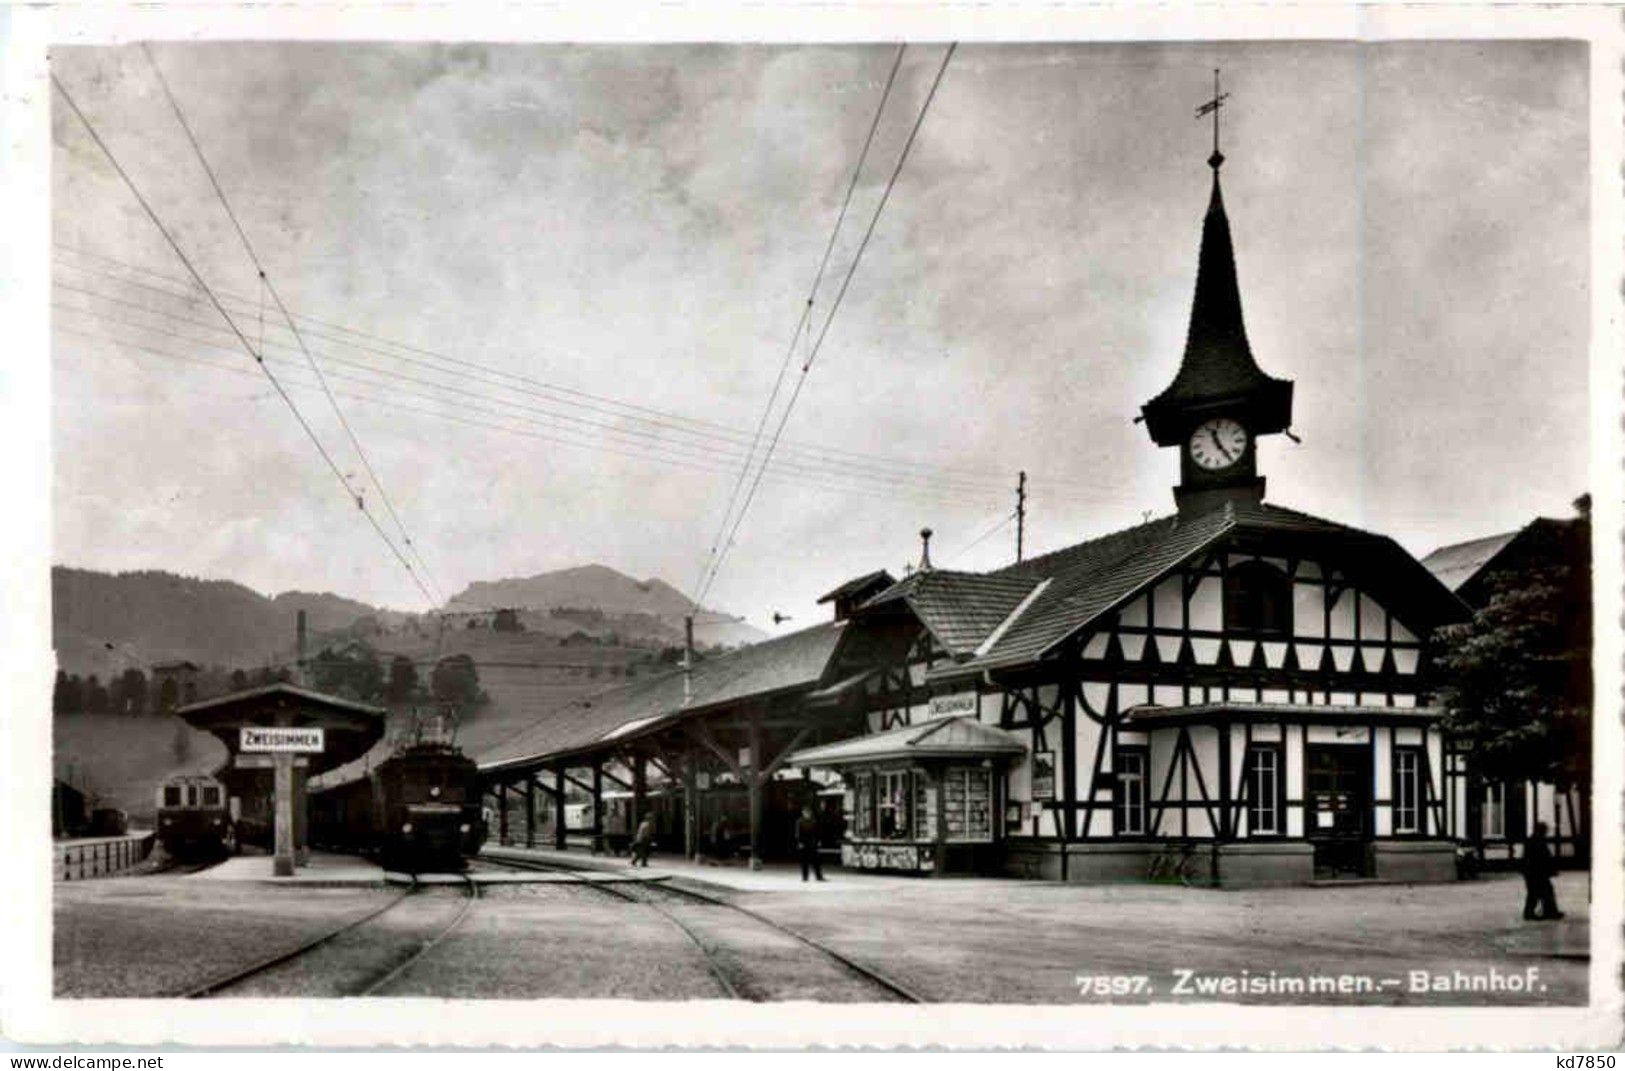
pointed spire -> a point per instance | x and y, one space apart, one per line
1218 366
925 550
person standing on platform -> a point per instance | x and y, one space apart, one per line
643 841
807 844
1538 868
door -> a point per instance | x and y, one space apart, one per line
1337 812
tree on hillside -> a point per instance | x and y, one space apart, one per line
1515 682
180 748
96 698
352 671
66 694
132 692
456 680
507 621
403 679
239 680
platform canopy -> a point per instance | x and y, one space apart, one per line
960 737
350 727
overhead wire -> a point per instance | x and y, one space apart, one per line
997 527
679 460
594 403
267 287
840 294
723 446
806 314
247 346
545 418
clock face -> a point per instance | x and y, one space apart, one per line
1218 443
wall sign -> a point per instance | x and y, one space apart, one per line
276 738
1043 775
948 706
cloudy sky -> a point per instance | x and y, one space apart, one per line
552 288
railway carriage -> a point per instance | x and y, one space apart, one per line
418 810
194 820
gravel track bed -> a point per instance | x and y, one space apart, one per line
535 941
350 962
764 963
158 935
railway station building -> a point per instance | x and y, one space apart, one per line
1235 692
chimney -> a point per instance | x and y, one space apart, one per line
299 675
925 550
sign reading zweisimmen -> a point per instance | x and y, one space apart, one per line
269 738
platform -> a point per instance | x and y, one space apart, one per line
773 877
324 868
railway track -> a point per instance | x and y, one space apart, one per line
242 981
730 966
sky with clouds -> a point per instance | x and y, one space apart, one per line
616 244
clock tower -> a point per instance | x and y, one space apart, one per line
1220 400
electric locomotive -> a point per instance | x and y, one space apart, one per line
419 810
194 819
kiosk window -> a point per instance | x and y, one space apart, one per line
1495 809
892 804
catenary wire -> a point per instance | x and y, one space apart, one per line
247 346
537 388
806 315
267 287
846 281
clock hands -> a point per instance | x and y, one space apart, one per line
1213 433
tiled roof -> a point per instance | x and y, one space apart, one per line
957 737
1458 563
960 609
880 578
784 663
1095 576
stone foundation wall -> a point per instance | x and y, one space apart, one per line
1415 860
1263 863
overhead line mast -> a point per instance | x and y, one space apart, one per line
269 288
247 346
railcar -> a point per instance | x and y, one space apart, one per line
194 820
419 810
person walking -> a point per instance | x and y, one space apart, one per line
1538 868
807 844
643 841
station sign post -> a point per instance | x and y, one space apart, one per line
282 743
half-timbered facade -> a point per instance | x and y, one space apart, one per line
1235 692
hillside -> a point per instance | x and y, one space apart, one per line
103 622
119 762
650 609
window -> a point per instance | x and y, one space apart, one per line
1130 809
191 795
892 805
1494 813
863 818
172 795
1257 599
1407 790
211 795
1262 784
967 804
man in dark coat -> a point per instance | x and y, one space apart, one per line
644 841
807 844
1538 868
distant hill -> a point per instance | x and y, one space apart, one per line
613 593
105 622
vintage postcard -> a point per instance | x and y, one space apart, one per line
1053 527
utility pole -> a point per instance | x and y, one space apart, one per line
1021 510
688 659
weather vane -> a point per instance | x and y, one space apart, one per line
1212 108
